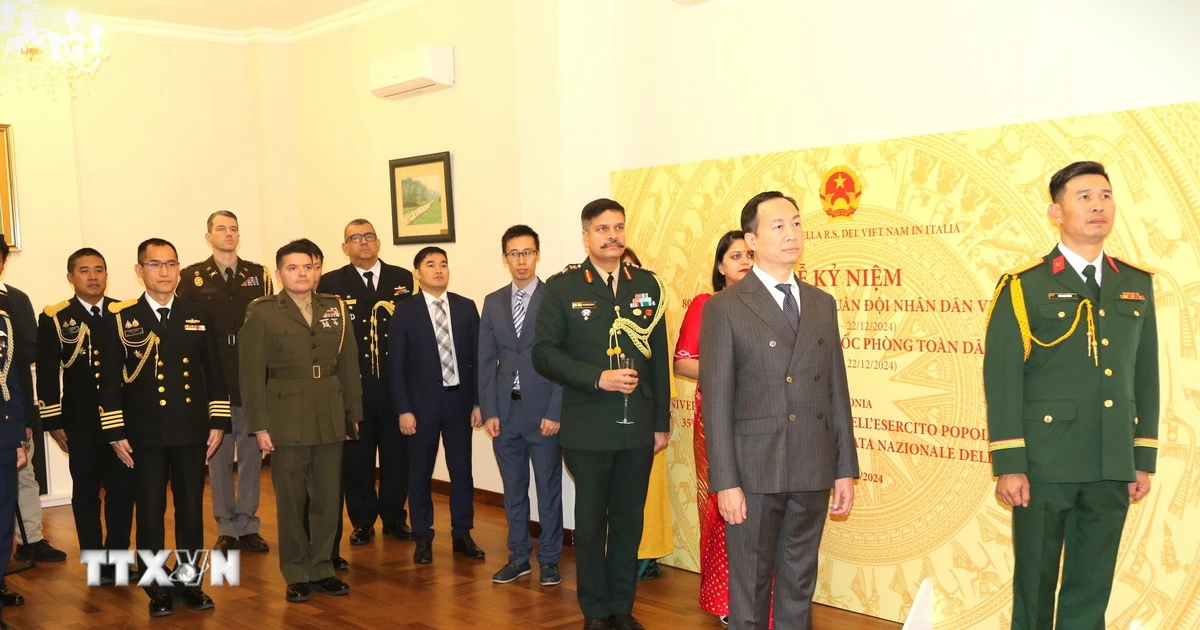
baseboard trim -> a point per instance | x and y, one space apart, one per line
496 499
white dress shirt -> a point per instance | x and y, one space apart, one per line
429 300
770 282
1078 262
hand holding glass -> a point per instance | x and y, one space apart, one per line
625 363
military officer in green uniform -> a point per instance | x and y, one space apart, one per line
300 387
594 316
1071 381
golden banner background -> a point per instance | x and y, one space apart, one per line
939 219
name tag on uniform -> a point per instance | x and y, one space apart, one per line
1063 296
350 302
194 327
1133 295
578 305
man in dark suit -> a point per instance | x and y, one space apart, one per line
69 344
433 347
777 417
371 290
522 409
164 408
226 284
12 436
614 419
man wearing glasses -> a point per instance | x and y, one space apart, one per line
164 408
522 409
371 290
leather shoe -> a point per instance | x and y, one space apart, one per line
340 563
550 575
161 605
624 622
330 586
255 543
399 531
225 543
11 598
423 554
596 624
467 548
362 536
40 551
195 599
297 592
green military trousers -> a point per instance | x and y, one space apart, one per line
313 474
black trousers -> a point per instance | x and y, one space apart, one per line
183 467
93 466
8 506
378 433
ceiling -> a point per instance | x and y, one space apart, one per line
237 15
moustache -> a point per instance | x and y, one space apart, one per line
614 244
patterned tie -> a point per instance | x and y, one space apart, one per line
162 315
1089 274
790 308
368 275
441 324
518 320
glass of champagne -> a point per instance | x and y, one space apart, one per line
625 363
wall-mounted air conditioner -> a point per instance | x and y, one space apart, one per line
414 71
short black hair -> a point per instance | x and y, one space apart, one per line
220 213
294 247
359 221
80 253
3 247
632 256
598 207
426 252
312 248
750 210
518 231
723 245
154 242
1058 182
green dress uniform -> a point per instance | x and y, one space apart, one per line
300 383
1071 381
582 330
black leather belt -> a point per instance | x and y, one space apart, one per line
516 394
452 388
315 371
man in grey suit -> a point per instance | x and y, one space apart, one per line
777 416
522 409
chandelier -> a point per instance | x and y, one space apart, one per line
41 54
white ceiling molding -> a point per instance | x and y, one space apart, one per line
342 19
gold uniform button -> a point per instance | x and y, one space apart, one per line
789 379
95 352
1108 403
1048 419
161 389
97 376
1135 420
185 360
162 403
1108 371
1101 312
96 363
186 386
1137 313
792 417
162 377
160 364
1062 314
187 399
185 374
1104 342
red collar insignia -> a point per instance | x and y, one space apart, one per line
1112 263
1058 265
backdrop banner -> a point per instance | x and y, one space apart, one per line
910 236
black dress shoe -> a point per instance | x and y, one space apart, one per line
596 624
255 543
225 543
467 548
330 586
423 554
161 605
362 536
297 592
625 622
11 598
195 599
340 563
399 531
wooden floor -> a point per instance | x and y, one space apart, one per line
387 590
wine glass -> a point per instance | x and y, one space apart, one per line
625 363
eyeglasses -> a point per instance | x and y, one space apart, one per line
518 254
369 237
157 266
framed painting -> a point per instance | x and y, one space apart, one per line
8 191
422 199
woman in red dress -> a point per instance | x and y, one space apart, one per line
732 261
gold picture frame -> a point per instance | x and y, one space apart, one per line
10 228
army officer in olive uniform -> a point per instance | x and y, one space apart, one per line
300 386
1071 380
591 315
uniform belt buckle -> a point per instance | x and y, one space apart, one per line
316 371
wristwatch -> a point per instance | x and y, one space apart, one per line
24 443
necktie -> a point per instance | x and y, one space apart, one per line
790 308
229 275
1089 274
306 311
441 325
518 321
368 275
96 312
612 283
162 315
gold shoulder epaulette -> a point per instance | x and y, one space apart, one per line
117 307
569 268
1129 264
53 309
1023 267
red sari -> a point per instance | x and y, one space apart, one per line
714 560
